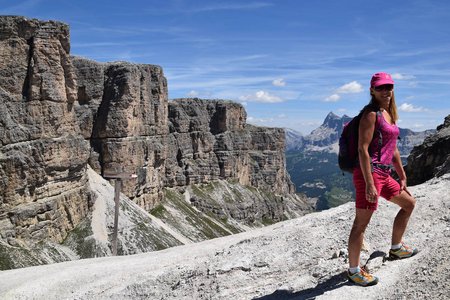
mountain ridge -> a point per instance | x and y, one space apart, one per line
326 136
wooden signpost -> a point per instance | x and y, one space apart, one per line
118 176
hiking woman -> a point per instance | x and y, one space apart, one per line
377 151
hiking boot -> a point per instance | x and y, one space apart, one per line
403 252
362 278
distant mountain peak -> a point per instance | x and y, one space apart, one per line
331 116
332 121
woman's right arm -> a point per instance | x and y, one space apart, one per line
366 129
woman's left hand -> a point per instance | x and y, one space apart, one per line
403 186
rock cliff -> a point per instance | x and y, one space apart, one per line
43 191
61 114
122 111
432 158
213 141
132 125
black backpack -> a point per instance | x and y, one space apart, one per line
348 142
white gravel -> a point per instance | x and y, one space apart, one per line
302 258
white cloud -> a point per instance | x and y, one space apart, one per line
261 96
350 88
333 98
22 6
400 76
229 6
406 107
199 94
254 120
279 82
193 94
418 126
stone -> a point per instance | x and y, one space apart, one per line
432 158
43 156
60 113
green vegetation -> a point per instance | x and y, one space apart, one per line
237 193
316 174
144 235
199 220
159 211
267 221
12 257
338 196
6 261
205 223
204 192
78 238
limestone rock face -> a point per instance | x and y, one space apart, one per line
210 140
130 131
131 125
90 85
43 190
195 125
432 158
122 110
60 113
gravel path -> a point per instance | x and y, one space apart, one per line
304 258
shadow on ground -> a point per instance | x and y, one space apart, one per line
332 283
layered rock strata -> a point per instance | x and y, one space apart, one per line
43 156
432 158
60 113
171 143
122 111
210 140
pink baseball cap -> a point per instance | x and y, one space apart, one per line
380 79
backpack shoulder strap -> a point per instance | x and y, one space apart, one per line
378 119
377 131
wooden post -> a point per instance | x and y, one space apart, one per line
117 188
118 176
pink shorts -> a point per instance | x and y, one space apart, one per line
387 187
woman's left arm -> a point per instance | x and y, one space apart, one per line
397 162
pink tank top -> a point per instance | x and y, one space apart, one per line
390 135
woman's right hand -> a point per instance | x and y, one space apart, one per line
371 193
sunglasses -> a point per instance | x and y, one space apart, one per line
384 87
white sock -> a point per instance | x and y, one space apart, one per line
396 247
354 270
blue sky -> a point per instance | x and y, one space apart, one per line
290 62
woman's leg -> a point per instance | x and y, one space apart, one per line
355 241
406 203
